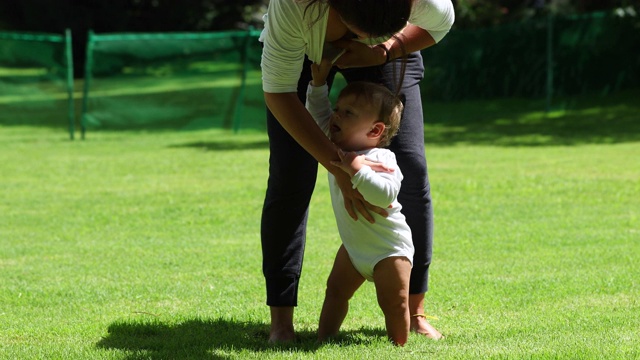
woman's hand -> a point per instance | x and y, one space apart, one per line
359 55
354 203
319 72
377 166
350 163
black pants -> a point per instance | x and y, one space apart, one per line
292 176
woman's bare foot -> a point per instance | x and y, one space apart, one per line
281 325
281 336
420 325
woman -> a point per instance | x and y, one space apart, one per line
382 39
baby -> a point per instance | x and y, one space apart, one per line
364 121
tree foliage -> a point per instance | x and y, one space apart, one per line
128 15
484 13
107 16
213 15
104 16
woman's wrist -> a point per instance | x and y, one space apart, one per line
386 52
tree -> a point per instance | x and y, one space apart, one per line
129 15
484 13
104 16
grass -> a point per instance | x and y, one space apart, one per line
145 244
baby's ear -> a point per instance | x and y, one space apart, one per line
377 130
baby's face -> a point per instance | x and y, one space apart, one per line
352 122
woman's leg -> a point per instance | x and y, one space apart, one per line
415 194
408 145
292 177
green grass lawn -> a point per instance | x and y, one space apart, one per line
145 244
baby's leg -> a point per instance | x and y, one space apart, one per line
343 282
391 276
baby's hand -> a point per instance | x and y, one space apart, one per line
350 162
319 72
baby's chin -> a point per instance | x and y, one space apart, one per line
346 147
337 141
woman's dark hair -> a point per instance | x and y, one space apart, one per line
378 18
375 17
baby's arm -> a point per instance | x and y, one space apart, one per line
318 102
377 188
319 105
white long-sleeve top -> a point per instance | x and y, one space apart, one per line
366 243
290 33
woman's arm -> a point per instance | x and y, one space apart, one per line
296 120
413 37
358 54
430 21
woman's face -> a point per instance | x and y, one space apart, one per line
363 36
357 32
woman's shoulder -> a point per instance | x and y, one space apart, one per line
300 9
433 15
287 7
431 8
297 17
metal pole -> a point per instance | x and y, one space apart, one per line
69 58
245 68
88 65
549 90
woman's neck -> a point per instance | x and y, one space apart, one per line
335 28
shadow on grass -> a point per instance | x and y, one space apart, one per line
522 122
513 122
225 145
587 119
211 339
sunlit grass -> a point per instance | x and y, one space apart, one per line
145 245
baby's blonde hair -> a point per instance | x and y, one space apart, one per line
389 106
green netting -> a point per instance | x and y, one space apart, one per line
547 57
36 80
173 80
203 80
